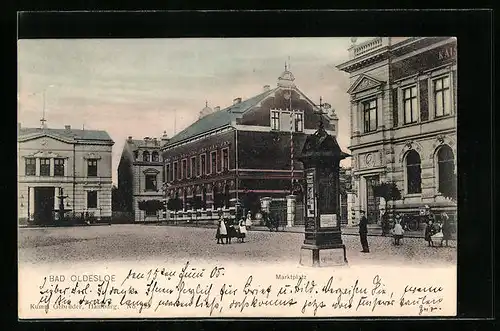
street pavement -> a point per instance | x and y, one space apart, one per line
172 244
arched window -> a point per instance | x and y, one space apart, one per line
155 157
145 156
413 173
446 168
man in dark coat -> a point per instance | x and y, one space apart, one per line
363 232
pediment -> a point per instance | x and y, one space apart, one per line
41 135
46 154
92 156
363 83
151 171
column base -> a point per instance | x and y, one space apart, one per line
315 256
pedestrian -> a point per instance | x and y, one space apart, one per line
221 232
243 230
385 224
248 221
363 232
438 233
446 229
429 232
397 232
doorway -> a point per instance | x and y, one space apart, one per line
44 204
372 202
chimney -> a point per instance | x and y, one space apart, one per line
217 108
236 101
67 127
267 88
129 139
146 138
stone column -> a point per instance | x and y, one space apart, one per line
290 210
37 166
51 170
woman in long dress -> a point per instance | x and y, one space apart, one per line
446 228
243 230
221 232
248 221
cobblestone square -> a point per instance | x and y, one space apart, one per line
174 244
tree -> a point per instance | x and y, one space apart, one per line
251 202
152 206
450 191
219 200
388 191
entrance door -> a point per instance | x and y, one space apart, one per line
372 202
44 204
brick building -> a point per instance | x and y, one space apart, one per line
140 175
403 120
74 163
245 149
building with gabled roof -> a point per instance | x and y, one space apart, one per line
65 162
140 175
244 149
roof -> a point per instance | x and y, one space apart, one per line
142 143
72 134
219 118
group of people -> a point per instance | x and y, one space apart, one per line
434 232
227 230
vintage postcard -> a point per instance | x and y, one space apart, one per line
245 177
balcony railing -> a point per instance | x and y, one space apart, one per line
366 47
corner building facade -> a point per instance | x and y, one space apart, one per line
403 94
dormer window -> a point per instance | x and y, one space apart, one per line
145 156
155 157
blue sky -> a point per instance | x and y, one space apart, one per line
135 87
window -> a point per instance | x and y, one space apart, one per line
410 104
145 156
136 155
92 199
151 183
155 157
167 173
225 159
299 122
184 169
92 168
213 162
203 164
44 167
192 168
413 173
175 174
30 165
370 115
275 120
442 96
58 167
446 168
